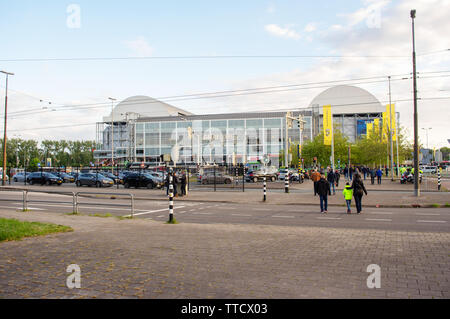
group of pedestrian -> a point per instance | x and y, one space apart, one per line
179 180
323 186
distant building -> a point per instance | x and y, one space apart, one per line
145 129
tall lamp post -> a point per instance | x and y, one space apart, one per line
427 129
4 135
112 133
416 124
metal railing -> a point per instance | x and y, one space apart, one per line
75 199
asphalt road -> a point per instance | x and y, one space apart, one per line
403 219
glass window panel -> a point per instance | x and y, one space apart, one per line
219 124
139 139
272 123
236 123
254 123
152 127
140 127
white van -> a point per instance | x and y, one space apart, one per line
429 169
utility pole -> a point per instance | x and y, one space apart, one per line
390 131
112 133
397 121
4 135
416 124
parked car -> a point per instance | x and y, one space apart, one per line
255 176
93 179
19 177
429 169
65 177
141 180
44 178
115 178
282 173
220 178
1 177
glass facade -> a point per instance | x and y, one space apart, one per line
206 141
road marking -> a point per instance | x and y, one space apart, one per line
331 218
161 216
202 213
278 216
262 209
380 213
379 219
242 215
431 221
427 214
153 211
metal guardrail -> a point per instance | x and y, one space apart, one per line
75 200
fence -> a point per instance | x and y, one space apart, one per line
75 199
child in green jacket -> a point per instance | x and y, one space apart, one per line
348 194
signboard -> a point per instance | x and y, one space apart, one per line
167 158
142 165
327 125
48 163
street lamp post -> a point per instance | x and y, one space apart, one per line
112 133
427 129
416 124
4 135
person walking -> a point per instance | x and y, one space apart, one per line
351 170
183 184
348 194
379 175
358 191
346 172
323 189
373 174
315 177
364 170
331 178
338 177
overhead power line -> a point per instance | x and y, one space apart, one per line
260 111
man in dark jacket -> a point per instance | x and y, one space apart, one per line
331 178
358 190
338 177
323 189
183 184
373 174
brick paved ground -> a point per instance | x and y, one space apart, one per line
146 259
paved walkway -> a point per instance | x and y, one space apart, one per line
147 259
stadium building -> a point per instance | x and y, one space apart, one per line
145 129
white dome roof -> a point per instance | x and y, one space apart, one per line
143 106
346 99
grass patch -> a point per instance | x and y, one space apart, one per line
123 218
13 229
73 214
435 205
447 204
101 215
173 222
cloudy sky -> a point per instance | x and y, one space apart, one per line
59 52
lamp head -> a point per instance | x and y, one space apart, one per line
413 14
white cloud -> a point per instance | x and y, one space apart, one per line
392 38
270 8
140 47
286 32
310 27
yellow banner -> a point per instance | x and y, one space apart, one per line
391 111
376 127
369 129
327 125
385 130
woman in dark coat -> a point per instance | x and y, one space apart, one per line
358 192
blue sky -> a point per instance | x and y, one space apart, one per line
38 29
